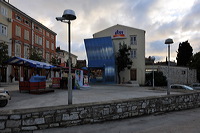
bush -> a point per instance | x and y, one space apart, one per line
159 79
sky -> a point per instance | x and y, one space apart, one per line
161 19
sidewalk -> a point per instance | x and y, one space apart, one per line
95 93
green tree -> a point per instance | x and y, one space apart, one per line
122 59
159 79
195 64
55 61
184 54
35 55
3 53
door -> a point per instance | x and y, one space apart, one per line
133 74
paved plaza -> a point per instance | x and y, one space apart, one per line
94 93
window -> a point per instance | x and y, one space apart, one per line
26 35
48 34
133 40
3 30
38 40
26 51
47 43
37 28
133 53
18 31
40 29
18 17
17 50
26 22
52 46
52 37
183 72
4 11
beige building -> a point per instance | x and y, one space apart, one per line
5 34
64 56
135 39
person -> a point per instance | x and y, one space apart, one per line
11 78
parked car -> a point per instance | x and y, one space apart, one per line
195 86
180 86
4 97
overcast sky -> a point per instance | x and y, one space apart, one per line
161 19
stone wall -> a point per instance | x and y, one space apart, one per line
27 120
178 75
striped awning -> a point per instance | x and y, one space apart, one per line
29 63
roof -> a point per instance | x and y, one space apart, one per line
29 63
22 13
120 26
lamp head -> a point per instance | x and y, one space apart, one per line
169 41
60 18
69 15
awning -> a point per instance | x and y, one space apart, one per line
29 63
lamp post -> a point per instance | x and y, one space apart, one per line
168 42
67 16
153 59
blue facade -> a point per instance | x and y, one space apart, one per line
101 59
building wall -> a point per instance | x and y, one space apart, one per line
178 75
5 20
25 32
63 56
139 47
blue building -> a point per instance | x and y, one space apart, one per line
101 60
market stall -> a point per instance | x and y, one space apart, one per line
34 82
79 78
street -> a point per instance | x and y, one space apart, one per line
187 121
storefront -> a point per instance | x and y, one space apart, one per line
29 81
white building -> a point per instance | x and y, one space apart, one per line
133 38
64 55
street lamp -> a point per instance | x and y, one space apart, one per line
67 16
153 59
168 41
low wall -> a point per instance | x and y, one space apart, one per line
27 120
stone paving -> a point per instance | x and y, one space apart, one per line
95 93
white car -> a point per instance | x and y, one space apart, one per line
4 97
196 86
179 86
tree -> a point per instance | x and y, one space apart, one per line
35 55
122 59
160 79
3 53
195 64
184 54
55 61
